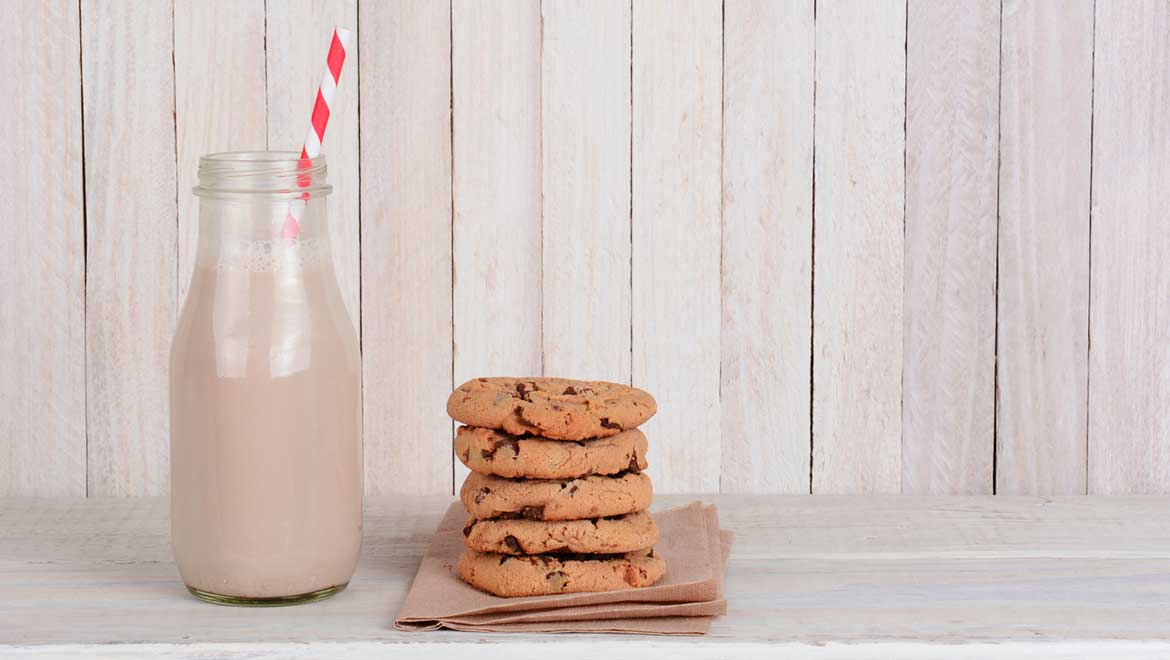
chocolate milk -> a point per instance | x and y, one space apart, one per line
266 424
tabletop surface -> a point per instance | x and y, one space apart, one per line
817 577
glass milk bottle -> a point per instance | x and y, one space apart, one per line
266 477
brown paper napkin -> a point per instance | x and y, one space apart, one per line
681 603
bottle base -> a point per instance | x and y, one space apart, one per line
272 601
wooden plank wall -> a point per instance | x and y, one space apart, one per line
42 256
952 165
852 246
1043 331
858 254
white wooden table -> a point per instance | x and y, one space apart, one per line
809 577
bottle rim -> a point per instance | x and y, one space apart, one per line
273 174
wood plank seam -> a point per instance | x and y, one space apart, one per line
84 248
998 188
630 174
812 301
1089 256
905 200
722 188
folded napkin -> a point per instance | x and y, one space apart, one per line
682 603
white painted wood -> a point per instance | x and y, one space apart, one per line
952 159
858 250
406 246
1043 247
585 148
767 246
297 38
130 242
497 290
42 260
554 122
220 98
676 225
1129 366
824 577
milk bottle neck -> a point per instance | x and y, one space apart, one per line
261 210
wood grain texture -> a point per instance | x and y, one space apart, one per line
497 186
1129 366
823 577
676 216
585 146
952 159
42 258
1045 118
219 98
767 246
130 242
406 246
297 39
858 251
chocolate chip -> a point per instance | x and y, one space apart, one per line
634 468
572 490
608 424
518 411
570 391
482 380
520 390
651 553
532 512
483 492
513 544
490 454
558 580
558 407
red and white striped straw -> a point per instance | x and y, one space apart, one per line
326 91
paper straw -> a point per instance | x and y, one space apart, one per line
326 91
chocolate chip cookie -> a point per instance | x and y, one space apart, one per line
540 575
488 451
489 496
555 408
634 531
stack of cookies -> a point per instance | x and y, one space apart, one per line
557 493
